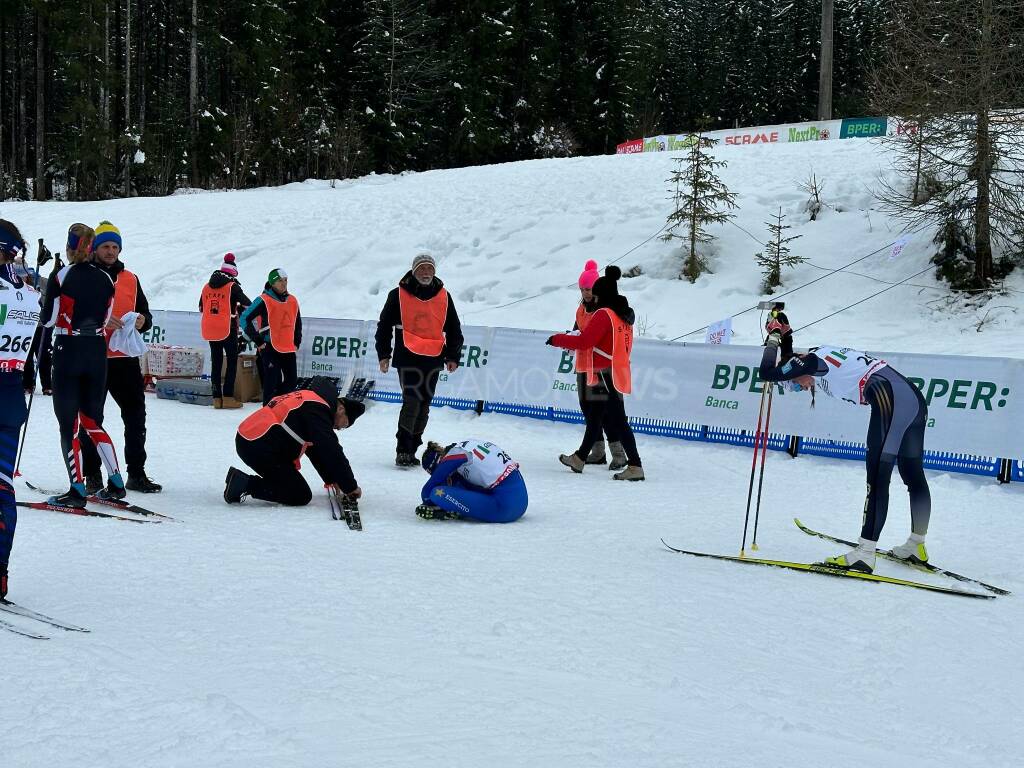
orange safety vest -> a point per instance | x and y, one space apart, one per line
281 321
217 312
275 412
582 319
423 322
622 347
126 290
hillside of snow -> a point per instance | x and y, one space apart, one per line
521 232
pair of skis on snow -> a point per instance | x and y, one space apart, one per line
991 591
147 515
13 609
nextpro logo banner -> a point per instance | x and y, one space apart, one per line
975 404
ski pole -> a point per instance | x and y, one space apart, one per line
753 468
24 431
764 454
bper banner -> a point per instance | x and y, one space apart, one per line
975 404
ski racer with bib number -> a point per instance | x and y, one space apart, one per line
472 479
895 436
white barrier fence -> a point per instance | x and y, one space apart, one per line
975 404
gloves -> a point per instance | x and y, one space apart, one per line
774 339
550 342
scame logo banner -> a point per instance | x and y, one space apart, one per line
975 404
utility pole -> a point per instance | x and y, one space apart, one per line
825 79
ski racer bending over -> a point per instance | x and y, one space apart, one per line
895 436
473 479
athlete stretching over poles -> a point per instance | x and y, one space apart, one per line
78 304
895 436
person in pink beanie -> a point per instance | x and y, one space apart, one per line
584 312
221 302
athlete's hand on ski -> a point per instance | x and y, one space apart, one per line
356 494
384 364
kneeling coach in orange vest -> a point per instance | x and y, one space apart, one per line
273 441
430 339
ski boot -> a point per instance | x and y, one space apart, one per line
74 498
861 558
236 486
572 461
431 512
913 550
114 491
596 455
619 460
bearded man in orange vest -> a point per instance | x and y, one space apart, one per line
429 338
273 440
124 374
273 322
220 302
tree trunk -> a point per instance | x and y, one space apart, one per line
825 74
128 153
20 126
982 230
3 68
193 96
39 188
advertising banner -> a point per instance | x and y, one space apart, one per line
975 404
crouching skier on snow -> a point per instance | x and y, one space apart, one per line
18 322
473 479
895 436
273 440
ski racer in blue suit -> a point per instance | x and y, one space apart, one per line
473 479
19 317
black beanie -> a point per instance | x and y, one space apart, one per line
353 409
606 287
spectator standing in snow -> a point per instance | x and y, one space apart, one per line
429 338
274 323
603 348
220 302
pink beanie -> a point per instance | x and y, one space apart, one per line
228 267
589 275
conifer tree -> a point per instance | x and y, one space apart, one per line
776 254
701 199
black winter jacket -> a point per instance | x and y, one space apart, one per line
391 316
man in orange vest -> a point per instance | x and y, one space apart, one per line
220 302
429 339
273 322
273 441
124 374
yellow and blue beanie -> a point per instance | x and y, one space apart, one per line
106 233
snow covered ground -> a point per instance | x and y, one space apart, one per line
255 635
259 636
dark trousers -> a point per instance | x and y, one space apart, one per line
609 429
126 386
604 405
279 373
418 387
46 360
275 480
899 416
219 350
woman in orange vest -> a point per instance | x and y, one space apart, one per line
429 339
220 302
584 312
274 439
603 349
273 322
